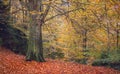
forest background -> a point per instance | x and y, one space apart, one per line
83 31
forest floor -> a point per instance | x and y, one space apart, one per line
11 63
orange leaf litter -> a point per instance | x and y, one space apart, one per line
11 63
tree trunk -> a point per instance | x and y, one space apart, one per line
108 37
4 12
117 37
35 45
84 40
85 50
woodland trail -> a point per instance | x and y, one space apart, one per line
11 63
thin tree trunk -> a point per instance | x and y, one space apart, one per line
84 40
4 12
85 46
108 37
108 29
117 36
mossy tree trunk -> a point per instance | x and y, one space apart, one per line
35 46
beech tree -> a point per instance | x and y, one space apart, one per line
38 10
35 48
35 45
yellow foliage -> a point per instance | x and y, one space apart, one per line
6 2
36 13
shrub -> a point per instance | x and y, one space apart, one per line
112 61
104 55
82 61
56 55
101 62
79 60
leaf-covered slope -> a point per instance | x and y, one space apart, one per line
11 63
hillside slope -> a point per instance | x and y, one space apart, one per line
11 63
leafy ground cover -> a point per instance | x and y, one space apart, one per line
11 63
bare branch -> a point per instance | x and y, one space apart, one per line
60 14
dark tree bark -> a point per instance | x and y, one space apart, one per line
117 36
84 39
4 11
108 37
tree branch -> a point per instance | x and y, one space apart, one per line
60 14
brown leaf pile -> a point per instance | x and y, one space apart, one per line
11 63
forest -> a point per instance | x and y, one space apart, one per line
72 36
